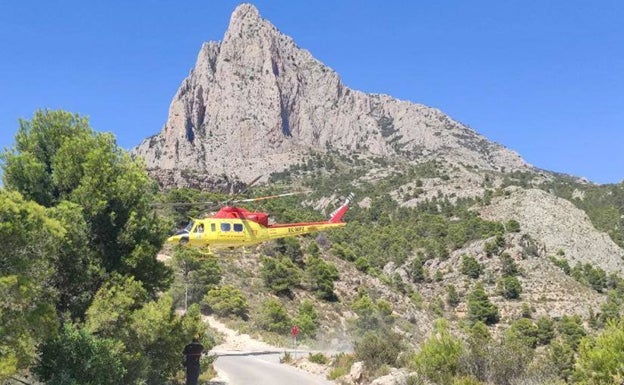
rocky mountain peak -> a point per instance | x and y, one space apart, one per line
256 103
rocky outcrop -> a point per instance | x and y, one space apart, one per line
559 225
256 103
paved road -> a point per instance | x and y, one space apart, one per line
262 369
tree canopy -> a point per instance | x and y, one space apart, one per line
80 284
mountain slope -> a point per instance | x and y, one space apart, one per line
256 103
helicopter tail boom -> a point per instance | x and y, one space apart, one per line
336 216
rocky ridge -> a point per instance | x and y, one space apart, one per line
256 103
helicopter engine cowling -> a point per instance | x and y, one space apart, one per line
260 218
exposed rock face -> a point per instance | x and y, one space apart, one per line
559 225
256 103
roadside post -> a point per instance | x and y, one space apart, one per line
294 331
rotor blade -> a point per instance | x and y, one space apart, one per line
175 204
249 185
266 197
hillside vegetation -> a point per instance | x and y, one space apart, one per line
421 285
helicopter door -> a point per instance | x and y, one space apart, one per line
198 232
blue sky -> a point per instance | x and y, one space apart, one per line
544 78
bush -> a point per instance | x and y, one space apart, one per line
571 330
480 308
524 331
509 267
439 355
318 358
509 287
225 301
452 297
307 319
280 274
512 226
273 317
545 330
341 365
471 267
376 349
322 276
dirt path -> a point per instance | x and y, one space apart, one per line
236 342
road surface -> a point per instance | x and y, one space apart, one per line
262 369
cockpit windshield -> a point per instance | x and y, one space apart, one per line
189 227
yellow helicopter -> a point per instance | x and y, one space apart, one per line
235 226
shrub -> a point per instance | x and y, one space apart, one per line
471 267
524 331
439 355
512 226
480 308
273 317
317 358
509 287
376 349
322 276
341 365
545 330
452 297
280 274
509 267
225 301
571 330
307 319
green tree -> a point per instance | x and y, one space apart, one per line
480 308
29 245
225 301
307 319
509 268
112 307
322 275
78 357
157 336
509 287
78 271
152 334
571 330
475 359
452 297
418 271
280 275
197 273
610 309
439 355
57 157
561 356
290 247
524 331
600 358
545 330
470 266
186 261
273 317
595 277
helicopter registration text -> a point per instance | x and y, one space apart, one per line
299 229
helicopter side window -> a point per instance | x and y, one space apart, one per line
238 227
199 228
213 227
225 226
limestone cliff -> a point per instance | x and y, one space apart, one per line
255 103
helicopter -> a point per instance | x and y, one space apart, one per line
234 226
